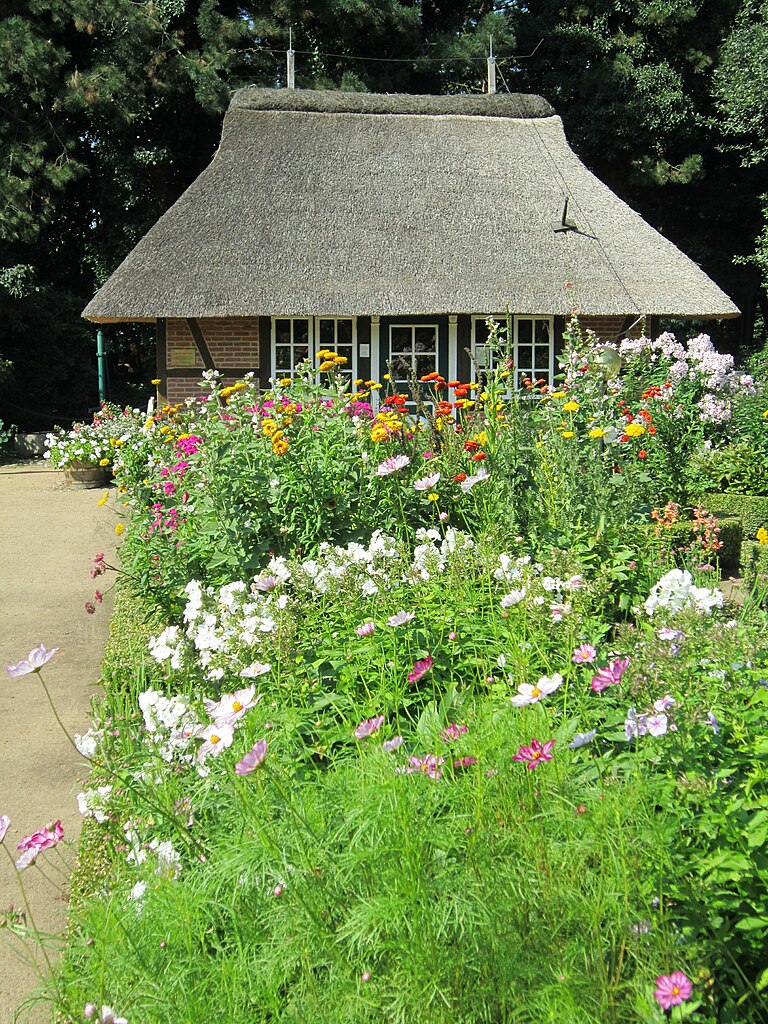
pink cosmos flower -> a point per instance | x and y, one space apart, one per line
465 762
215 739
368 727
392 465
252 759
420 669
584 654
37 658
391 745
672 989
365 628
430 765
610 675
43 839
535 754
426 483
480 477
265 584
401 618
452 732
232 706
5 821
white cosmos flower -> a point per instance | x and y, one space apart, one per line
215 739
426 483
528 694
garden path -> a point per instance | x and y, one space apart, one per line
48 536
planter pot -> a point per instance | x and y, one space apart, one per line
87 476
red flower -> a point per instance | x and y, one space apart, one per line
478 457
460 478
642 453
471 446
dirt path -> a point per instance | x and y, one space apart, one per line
48 536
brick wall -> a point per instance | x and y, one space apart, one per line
232 341
611 328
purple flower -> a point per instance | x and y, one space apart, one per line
584 654
635 725
37 658
452 732
672 989
391 745
610 675
711 720
368 727
365 629
420 669
581 739
670 634
664 703
252 759
536 753
401 618
657 724
392 465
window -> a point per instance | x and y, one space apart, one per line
295 339
411 348
531 346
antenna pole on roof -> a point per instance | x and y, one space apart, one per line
289 58
491 69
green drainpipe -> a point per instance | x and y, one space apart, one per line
101 357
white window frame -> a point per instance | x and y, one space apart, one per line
313 342
411 406
515 320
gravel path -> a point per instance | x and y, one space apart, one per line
48 536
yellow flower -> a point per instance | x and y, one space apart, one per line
358 382
481 438
268 427
432 496
328 364
765 414
156 381
571 407
285 382
567 433
762 535
374 386
280 447
634 430
558 394
340 360
504 374
103 462
119 529
387 377
103 500
378 432
597 432
483 396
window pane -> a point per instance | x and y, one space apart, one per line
542 332
524 332
327 333
344 332
283 358
301 333
425 364
525 357
401 339
283 332
426 339
300 353
400 366
481 332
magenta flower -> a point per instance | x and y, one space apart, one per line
672 989
365 628
430 765
252 759
391 745
584 654
368 727
392 465
452 732
535 753
465 762
610 675
37 658
43 839
420 669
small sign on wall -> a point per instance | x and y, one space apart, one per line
183 357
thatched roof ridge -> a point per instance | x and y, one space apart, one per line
516 104
333 212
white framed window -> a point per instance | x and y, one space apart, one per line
531 346
411 348
296 339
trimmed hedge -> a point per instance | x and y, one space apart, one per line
752 511
753 566
681 533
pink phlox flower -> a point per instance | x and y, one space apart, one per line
664 703
232 706
529 694
215 739
252 759
169 488
465 762
5 821
657 724
535 754
365 628
672 989
430 765
368 727
401 618
452 732
391 745
420 669
426 483
480 477
180 469
392 465
635 725
37 658
610 675
584 654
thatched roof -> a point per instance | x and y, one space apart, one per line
348 203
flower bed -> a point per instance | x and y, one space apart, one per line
442 721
